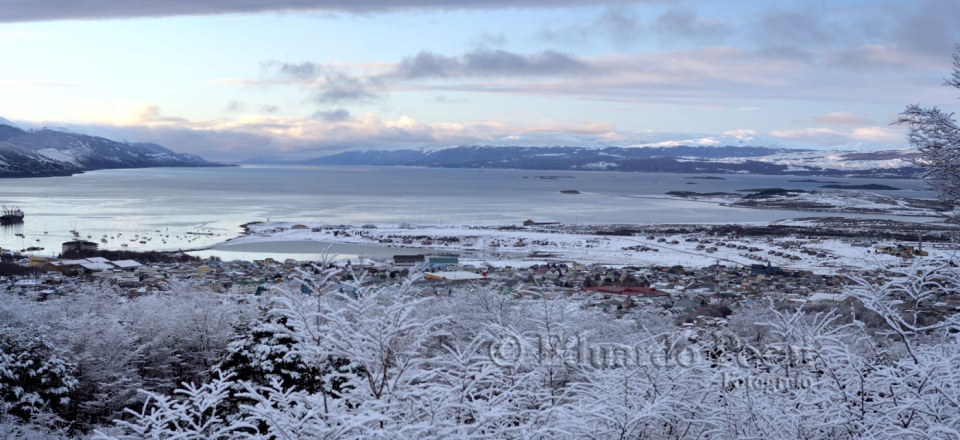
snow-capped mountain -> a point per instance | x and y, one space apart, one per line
4 121
53 152
673 158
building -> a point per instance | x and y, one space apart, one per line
67 267
127 265
38 261
443 261
408 260
79 246
246 287
96 267
88 265
760 269
529 222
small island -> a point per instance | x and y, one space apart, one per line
697 194
569 191
869 187
774 192
770 190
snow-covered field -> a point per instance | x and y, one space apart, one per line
525 246
838 201
831 159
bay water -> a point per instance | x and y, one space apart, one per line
189 208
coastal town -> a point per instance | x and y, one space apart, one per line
472 220
699 276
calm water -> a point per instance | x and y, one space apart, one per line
164 204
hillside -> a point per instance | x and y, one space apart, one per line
46 152
680 159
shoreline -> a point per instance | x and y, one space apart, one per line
823 245
888 219
833 201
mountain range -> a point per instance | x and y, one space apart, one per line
680 159
57 152
50 152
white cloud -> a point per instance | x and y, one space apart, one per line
247 135
841 118
890 135
29 10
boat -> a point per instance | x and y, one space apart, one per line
11 216
34 249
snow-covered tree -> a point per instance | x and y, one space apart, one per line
193 414
35 377
260 355
913 391
115 346
936 135
39 428
484 364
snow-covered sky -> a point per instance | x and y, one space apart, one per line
232 79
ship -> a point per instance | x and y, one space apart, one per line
11 216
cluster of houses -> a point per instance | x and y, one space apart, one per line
675 289
85 266
902 250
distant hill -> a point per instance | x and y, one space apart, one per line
497 157
46 152
679 159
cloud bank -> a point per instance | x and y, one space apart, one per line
32 10
327 132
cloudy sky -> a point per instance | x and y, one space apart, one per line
235 79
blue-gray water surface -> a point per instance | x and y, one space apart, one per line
162 205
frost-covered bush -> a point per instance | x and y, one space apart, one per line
369 360
481 364
34 376
92 349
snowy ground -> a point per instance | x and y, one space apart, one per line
526 246
831 159
838 201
